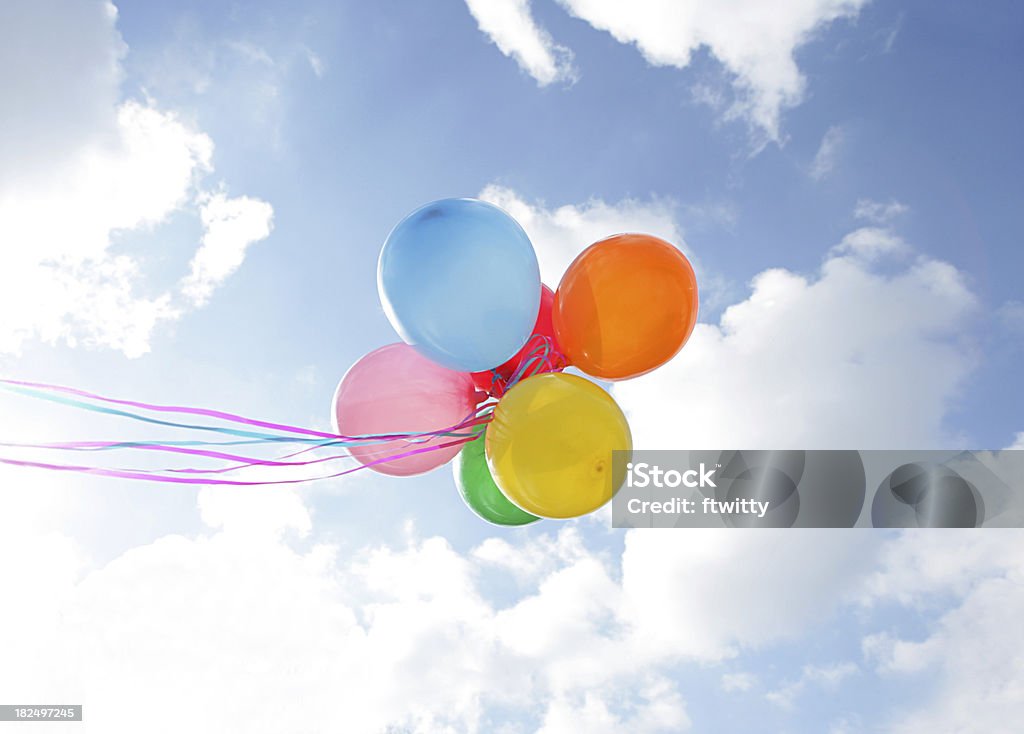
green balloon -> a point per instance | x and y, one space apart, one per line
478 489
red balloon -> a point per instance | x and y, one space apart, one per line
494 384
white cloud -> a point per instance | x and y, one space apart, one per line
921 568
231 226
974 649
827 157
738 682
844 725
261 512
527 564
512 28
827 677
870 243
832 351
560 234
833 354
61 279
977 651
232 619
255 610
658 707
668 581
109 169
1010 318
879 212
316 63
237 622
260 626
754 41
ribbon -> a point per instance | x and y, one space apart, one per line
311 440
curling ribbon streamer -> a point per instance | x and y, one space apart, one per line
460 432
147 476
541 357
40 390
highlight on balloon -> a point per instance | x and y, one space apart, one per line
477 379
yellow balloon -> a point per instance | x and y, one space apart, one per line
549 447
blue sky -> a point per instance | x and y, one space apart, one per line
858 247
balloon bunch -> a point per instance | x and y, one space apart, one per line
484 346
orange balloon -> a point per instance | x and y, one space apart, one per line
625 306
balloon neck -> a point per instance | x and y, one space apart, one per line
541 355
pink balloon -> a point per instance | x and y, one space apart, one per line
395 389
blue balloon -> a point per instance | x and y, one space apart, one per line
459 281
